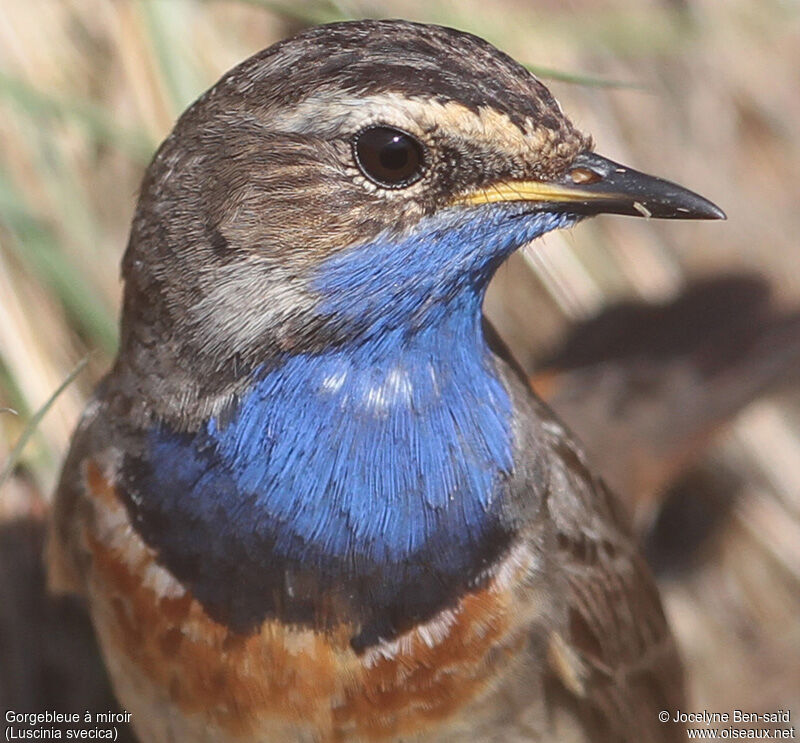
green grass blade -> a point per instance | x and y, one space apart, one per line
165 22
310 14
549 73
33 423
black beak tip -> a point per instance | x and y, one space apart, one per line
700 209
714 212
623 190
686 204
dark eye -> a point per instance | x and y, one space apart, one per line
391 158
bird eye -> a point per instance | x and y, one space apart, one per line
389 157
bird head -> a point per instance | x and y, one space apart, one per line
358 179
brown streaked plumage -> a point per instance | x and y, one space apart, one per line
310 680
170 660
502 601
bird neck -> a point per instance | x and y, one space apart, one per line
398 286
369 476
402 431
373 449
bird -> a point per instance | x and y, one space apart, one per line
315 498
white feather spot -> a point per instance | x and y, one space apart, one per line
334 382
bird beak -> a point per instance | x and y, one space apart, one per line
595 185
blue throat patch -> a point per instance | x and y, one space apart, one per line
382 460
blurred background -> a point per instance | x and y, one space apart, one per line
673 349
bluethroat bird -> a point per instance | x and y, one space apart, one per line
314 500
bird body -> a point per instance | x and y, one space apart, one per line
313 500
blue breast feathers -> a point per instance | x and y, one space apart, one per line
367 456
390 449
374 447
